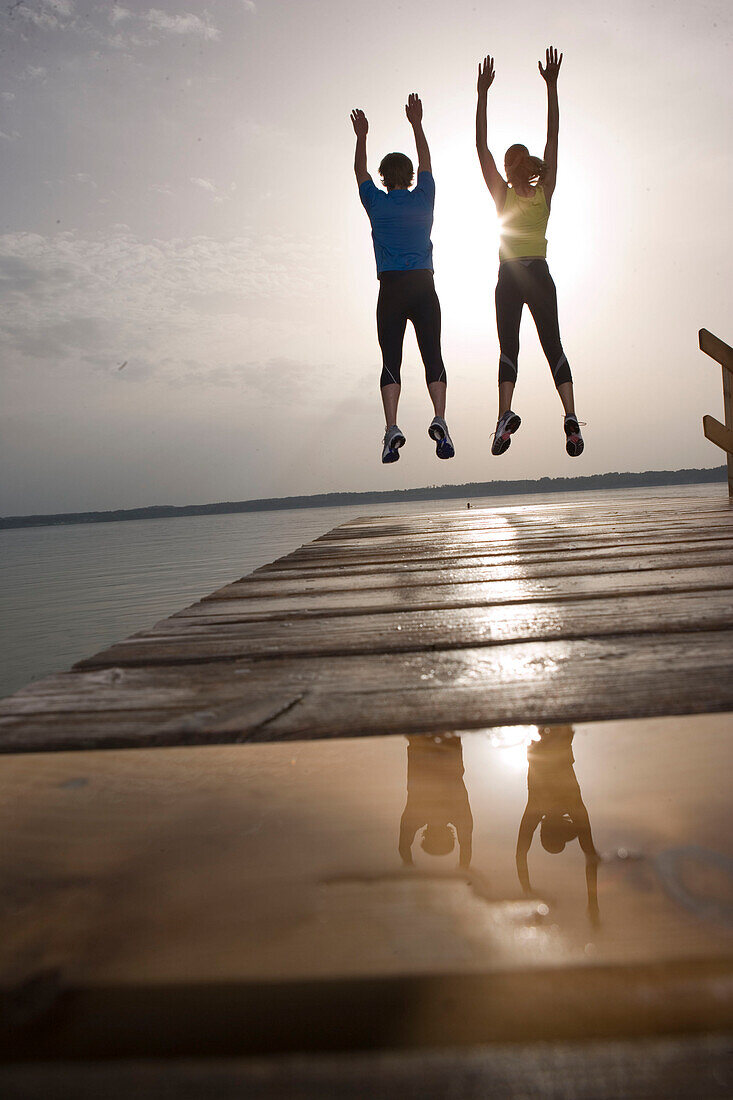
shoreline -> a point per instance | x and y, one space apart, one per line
612 480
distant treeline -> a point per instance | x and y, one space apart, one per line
428 492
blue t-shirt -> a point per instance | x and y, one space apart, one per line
401 224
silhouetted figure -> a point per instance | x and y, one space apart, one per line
523 204
401 221
437 799
554 803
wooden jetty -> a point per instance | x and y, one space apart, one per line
435 805
510 615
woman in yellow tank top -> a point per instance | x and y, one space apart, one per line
523 204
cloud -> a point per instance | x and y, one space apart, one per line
249 5
46 14
186 23
277 379
117 14
207 185
71 304
58 339
210 187
9 96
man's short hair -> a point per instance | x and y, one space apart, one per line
396 171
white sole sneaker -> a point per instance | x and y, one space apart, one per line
393 440
438 431
574 444
506 426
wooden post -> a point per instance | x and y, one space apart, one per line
721 434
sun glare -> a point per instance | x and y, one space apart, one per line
510 745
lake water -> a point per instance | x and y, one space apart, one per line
66 592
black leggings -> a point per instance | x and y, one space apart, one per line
531 283
408 296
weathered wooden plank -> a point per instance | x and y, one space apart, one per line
175 643
199 685
716 348
257 587
222 718
502 566
507 533
718 433
439 525
683 1067
593 505
550 546
450 595
352 695
223 1018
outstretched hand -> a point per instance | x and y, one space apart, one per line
486 75
359 122
413 109
552 65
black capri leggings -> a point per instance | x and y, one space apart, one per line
408 296
519 282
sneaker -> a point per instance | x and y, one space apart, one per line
573 439
438 431
393 440
506 426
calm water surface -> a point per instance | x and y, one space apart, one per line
66 592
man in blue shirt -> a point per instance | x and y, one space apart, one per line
401 221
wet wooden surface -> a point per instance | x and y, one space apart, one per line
222 919
662 1068
269 899
603 608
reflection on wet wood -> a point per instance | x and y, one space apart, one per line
242 899
326 887
510 614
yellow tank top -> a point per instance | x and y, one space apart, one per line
523 223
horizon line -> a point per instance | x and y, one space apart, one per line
692 475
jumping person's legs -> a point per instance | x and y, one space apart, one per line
390 400
391 324
509 302
509 299
541 297
424 312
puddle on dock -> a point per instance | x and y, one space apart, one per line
492 850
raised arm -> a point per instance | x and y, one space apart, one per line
413 110
530 820
361 128
494 181
408 827
549 75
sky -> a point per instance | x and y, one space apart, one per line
187 280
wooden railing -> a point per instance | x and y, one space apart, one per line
721 434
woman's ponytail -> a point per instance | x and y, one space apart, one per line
535 169
523 168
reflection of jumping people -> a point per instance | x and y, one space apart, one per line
523 205
401 222
554 803
436 798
